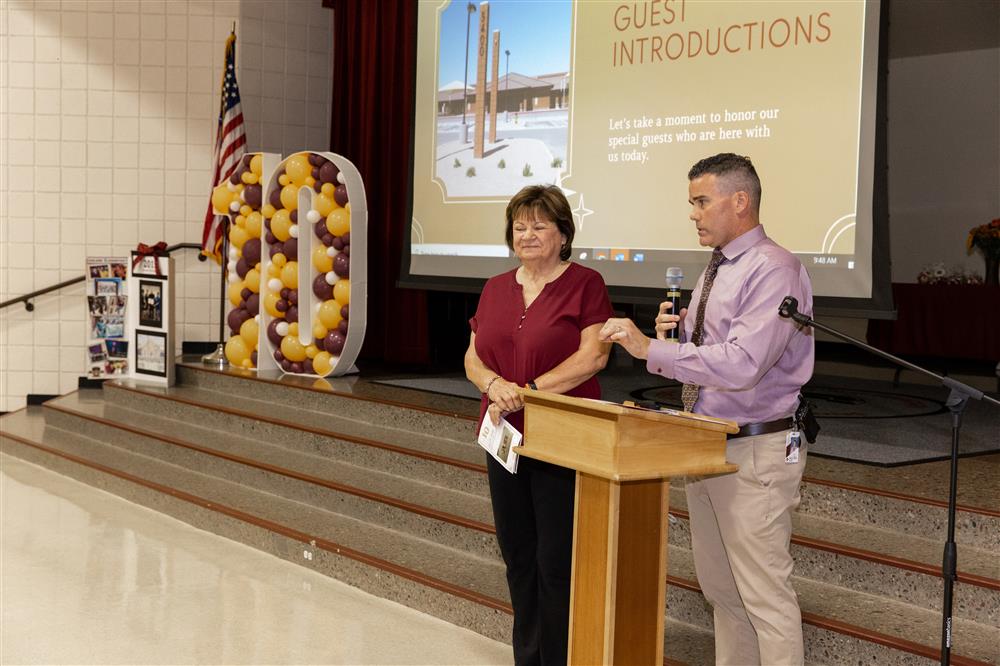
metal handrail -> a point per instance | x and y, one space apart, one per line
30 307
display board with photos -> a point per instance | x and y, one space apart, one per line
107 348
151 319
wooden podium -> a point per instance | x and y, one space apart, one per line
624 458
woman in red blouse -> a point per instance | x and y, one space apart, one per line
537 324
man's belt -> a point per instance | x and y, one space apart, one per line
767 427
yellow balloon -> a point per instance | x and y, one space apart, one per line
253 224
322 363
347 207
290 197
279 260
322 262
319 331
328 189
329 313
292 349
221 198
240 221
342 292
247 363
249 331
267 210
270 301
234 292
290 275
236 350
249 177
310 181
238 236
311 351
257 164
252 280
298 168
293 329
280 224
283 179
324 204
245 210
339 222
273 271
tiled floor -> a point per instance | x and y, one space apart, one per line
89 578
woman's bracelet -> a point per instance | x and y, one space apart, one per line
489 384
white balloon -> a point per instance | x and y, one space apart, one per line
340 177
282 328
233 254
332 278
230 186
332 251
313 216
231 266
274 284
256 318
235 206
293 231
233 277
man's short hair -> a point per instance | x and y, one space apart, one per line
736 170
547 202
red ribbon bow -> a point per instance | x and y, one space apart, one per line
142 251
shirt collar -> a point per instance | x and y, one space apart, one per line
744 242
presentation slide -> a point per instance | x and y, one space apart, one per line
614 101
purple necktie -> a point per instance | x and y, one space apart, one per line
689 392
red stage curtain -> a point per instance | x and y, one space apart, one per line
374 60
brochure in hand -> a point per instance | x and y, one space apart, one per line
499 440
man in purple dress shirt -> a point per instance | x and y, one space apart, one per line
747 365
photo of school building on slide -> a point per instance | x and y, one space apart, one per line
498 130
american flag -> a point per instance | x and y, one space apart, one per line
230 145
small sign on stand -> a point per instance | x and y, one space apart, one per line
151 319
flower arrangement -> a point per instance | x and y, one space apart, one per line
986 237
938 273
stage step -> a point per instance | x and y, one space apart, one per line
380 463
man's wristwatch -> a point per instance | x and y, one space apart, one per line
532 386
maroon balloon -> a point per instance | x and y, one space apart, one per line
342 326
307 366
245 293
322 290
328 172
294 216
253 304
340 195
291 249
345 311
274 336
293 296
316 159
320 229
251 251
253 357
242 268
328 239
319 343
281 306
292 315
342 265
253 195
284 292
346 238
334 342
273 250
347 250
296 367
278 356
286 365
315 172
275 198
338 243
270 238
236 318
235 178
318 186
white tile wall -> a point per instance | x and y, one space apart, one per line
107 120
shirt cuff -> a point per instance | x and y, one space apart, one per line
661 357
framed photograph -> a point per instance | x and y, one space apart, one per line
151 353
119 270
99 271
151 304
146 267
107 286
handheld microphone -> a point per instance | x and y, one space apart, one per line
789 309
674 278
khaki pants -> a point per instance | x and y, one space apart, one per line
740 531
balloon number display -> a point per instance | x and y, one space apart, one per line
297 263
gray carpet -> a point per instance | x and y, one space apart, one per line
862 420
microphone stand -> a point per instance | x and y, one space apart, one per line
956 403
